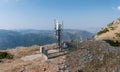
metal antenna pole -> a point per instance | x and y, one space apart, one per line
58 31
81 40
59 38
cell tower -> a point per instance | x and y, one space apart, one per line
58 33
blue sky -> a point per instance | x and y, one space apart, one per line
40 14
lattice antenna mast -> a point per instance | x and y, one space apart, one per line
58 32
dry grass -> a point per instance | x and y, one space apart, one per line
110 32
36 65
23 51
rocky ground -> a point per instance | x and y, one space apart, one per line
88 56
94 56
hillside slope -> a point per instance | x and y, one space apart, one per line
110 32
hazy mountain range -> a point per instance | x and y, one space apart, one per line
14 38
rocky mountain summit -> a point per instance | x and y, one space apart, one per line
88 56
100 54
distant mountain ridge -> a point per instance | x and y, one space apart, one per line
12 38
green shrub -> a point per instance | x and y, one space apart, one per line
72 44
112 43
2 55
102 31
112 28
5 55
9 56
117 34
